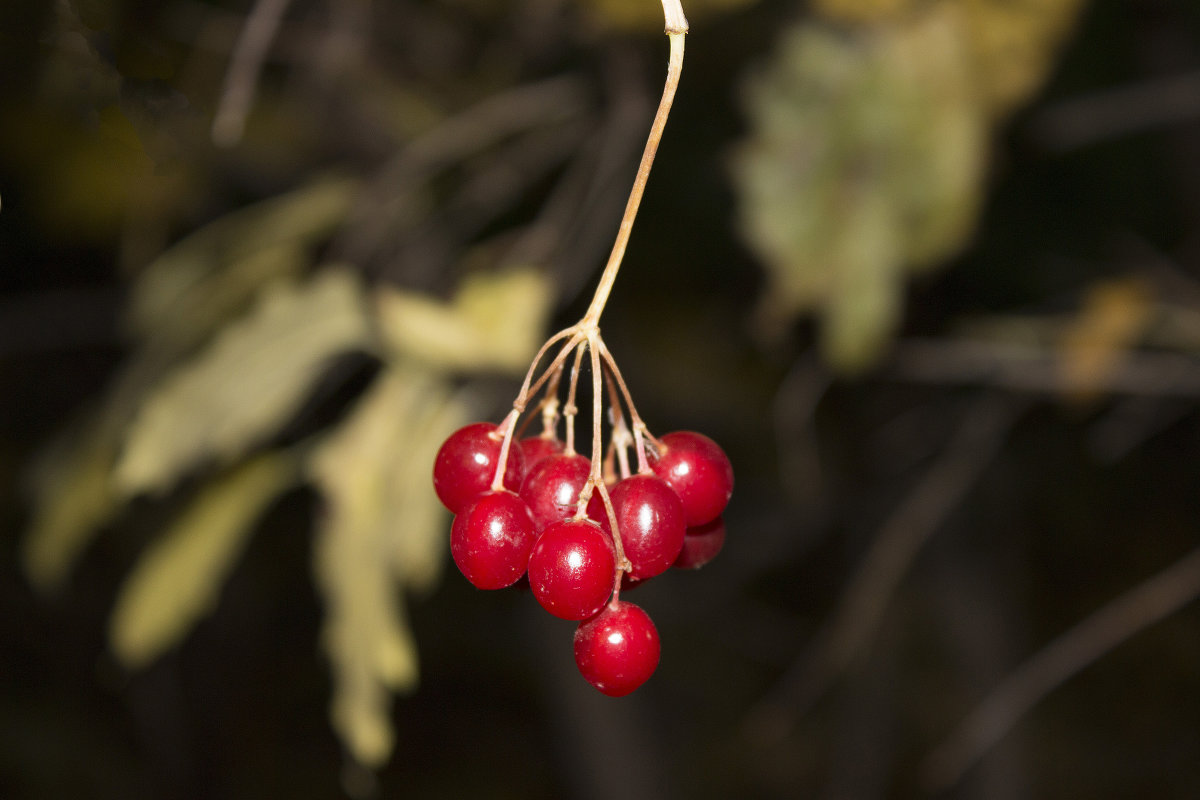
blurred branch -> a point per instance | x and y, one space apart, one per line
495 188
1131 421
1033 368
241 81
1136 609
862 605
795 405
347 41
393 194
1118 112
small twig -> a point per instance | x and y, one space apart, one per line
794 407
451 142
1117 112
639 427
570 410
676 30
864 602
241 81
1131 612
1027 368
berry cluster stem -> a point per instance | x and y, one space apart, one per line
585 334
677 28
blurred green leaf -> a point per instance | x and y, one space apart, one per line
178 578
495 321
1010 46
72 495
246 383
192 288
865 160
383 531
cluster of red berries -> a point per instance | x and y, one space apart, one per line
550 514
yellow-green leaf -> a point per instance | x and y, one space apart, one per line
1099 338
178 578
858 321
194 286
72 495
383 531
1013 45
248 382
865 162
495 322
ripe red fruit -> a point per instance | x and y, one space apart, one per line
571 569
701 544
491 540
698 470
650 519
466 465
535 448
552 487
618 649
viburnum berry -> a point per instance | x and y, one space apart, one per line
618 649
466 465
491 540
535 448
701 544
571 568
552 487
698 470
650 521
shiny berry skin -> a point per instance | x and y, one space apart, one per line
701 544
491 540
698 470
552 487
618 649
535 448
466 465
650 520
571 569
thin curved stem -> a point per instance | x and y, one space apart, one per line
508 426
639 427
570 410
526 388
555 367
676 31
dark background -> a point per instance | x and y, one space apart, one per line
1054 521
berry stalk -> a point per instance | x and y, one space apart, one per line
677 28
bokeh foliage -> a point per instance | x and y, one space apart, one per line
868 149
301 317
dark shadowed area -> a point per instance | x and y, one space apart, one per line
928 270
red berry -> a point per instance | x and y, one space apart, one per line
466 465
552 487
701 544
698 470
571 569
650 519
617 650
536 448
491 540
